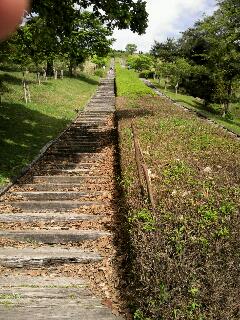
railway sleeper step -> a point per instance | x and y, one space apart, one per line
64 187
49 298
28 217
44 256
54 236
81 156
77 171
75 158
58 206
70 179
72 165
45 196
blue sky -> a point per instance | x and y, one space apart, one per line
167 18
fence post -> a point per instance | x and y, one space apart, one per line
38 78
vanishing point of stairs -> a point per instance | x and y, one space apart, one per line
54 214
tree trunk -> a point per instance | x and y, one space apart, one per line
225 108
50 68
226 103
176 88
70 70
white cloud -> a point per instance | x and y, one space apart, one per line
166 19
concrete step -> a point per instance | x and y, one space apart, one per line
46 196
47 298
58 206
54 236
44 256
50 217
70 179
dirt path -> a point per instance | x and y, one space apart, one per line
57 225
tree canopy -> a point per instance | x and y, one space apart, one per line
122 14
131 48
206 59
166 51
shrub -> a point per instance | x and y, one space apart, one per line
140 62
99 73
148 74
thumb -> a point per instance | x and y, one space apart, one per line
11 13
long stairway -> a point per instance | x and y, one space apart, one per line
56 230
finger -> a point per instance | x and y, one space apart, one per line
11 12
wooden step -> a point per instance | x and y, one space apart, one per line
58 206
51 217
64 187
79 155
44 256
40 298
77 149
69 179
54 236
72 165
57 196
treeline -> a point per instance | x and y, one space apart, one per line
204 62
67 31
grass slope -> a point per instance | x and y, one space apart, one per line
184 258
25 129
128 83
192 103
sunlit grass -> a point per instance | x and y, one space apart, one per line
25 129
190 102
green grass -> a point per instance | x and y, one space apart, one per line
192 103
129 84
25 129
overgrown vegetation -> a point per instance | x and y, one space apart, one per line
25 129
184 261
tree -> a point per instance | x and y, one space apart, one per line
131 48
140 62
89 37
122 14
100 62
167 51
35 42
221 55
60 15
